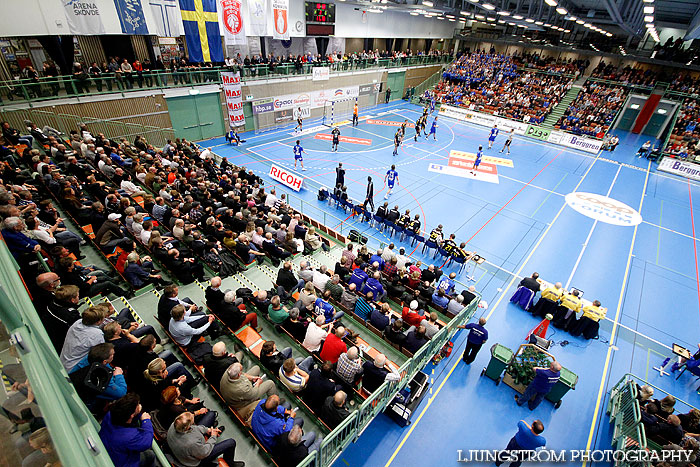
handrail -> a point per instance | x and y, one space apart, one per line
72 428
637 379
43 89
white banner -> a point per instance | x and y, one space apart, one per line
336 45
321 73
280 19
313 99
286 176
83 18
685 169
167 16
231 21
583 143
234 100
257 12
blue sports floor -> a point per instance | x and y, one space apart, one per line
646 276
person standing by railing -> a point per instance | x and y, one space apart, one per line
51 72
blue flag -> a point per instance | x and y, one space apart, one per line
201 22
131 17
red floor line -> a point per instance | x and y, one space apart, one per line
519 191
695 247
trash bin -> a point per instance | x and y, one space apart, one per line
567 381
500 357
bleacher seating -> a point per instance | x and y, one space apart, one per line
594 109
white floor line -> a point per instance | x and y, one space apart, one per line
590 233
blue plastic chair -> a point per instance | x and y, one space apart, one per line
399 230
442 252
408 234
429 244
378 222
417 239
460 261
390 225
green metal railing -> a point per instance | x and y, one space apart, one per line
625 415
69 86
73 429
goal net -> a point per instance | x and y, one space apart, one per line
338 110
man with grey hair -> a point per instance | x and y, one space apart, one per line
349 297
294 326
455 305
217 362
232 314
242 390
334 410
320 277
544 381
349 366
19 244
335 288
294 446
375 373
316 332
305 272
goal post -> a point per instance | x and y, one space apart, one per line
337 110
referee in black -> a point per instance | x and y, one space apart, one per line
369 197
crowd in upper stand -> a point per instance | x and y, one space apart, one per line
686 132
490 82
593 110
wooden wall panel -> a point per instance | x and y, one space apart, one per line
140 45
92 49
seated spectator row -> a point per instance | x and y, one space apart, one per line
683 141
594 109
627 75
490 83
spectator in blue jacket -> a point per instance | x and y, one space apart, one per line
270 420
18 243
359 276
138 272
377 258
127 433
447 284
375 286
440 299
102 354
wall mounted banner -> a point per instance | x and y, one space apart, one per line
280 18
131 17
83 17
677 167
234 99
321 73
231 16
311 99
167 16
257 12
263 105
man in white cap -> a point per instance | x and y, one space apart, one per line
110 234
410 315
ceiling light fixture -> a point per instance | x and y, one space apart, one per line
567 31
517 17
587 25
551 2
539 23
490 19
529 20
547 25
500 21
648 10
414 13
479 17
464 13
488 6
427 3
580 21
562 11
511 24
649 19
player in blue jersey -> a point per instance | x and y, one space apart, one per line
492 136
398 137
298 150
432 105
391 177
433 129
477 161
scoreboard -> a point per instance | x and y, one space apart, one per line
320 18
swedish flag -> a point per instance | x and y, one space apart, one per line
201 23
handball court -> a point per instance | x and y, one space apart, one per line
514 214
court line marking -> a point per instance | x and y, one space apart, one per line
432 398
695 247
539 241
658 243
668 229
590 233
623 289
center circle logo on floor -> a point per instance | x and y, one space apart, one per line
604 209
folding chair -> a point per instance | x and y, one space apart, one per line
459 261
417 239
429 244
